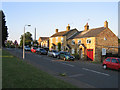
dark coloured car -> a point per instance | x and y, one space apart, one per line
47 49
41 51
111 62
65 56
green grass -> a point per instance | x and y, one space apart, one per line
18 74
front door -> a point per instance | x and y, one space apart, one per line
90 54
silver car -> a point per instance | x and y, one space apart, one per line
27 48
53 53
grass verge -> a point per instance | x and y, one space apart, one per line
18 74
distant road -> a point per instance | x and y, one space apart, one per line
79 73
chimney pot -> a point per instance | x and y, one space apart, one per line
68 28
86 27
106 24
56 30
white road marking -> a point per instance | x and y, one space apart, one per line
76 75
68 64
96 71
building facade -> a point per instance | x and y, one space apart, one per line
61 37
43 41
92 43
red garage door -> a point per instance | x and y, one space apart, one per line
90 54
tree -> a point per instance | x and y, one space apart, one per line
4 28
59 46
28 39
118 40
9 43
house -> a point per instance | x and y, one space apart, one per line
92 43
61 37
43 41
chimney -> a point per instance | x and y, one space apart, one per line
106 24
86 27
56 30
68 28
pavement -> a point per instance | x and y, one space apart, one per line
79 73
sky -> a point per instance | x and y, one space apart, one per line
48 16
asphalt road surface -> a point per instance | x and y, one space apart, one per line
79 73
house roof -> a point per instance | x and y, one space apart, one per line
75 35
90 33
44 38
62 33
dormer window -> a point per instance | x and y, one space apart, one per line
88 41
105 38
73 42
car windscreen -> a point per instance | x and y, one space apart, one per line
119 60
55 51
67 53
34 48
42 49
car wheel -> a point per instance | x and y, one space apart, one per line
58 57
64 59
53 56
104 66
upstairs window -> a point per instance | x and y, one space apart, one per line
79 42
105 38
62 39
56 39
88 41
73 42
51 40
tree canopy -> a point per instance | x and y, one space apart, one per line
28 39
4 28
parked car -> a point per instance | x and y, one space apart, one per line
27 48
33 49
111 62
53 53
65 56
46 48
41 51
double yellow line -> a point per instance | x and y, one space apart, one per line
6 56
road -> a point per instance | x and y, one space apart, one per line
79 73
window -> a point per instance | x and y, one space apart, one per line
105 38
88 41
56 47
78 50
73 51
51 40
114 60
61 47
56 39
79 42
62 39
108 60
73 42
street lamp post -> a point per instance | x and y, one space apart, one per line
24 42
